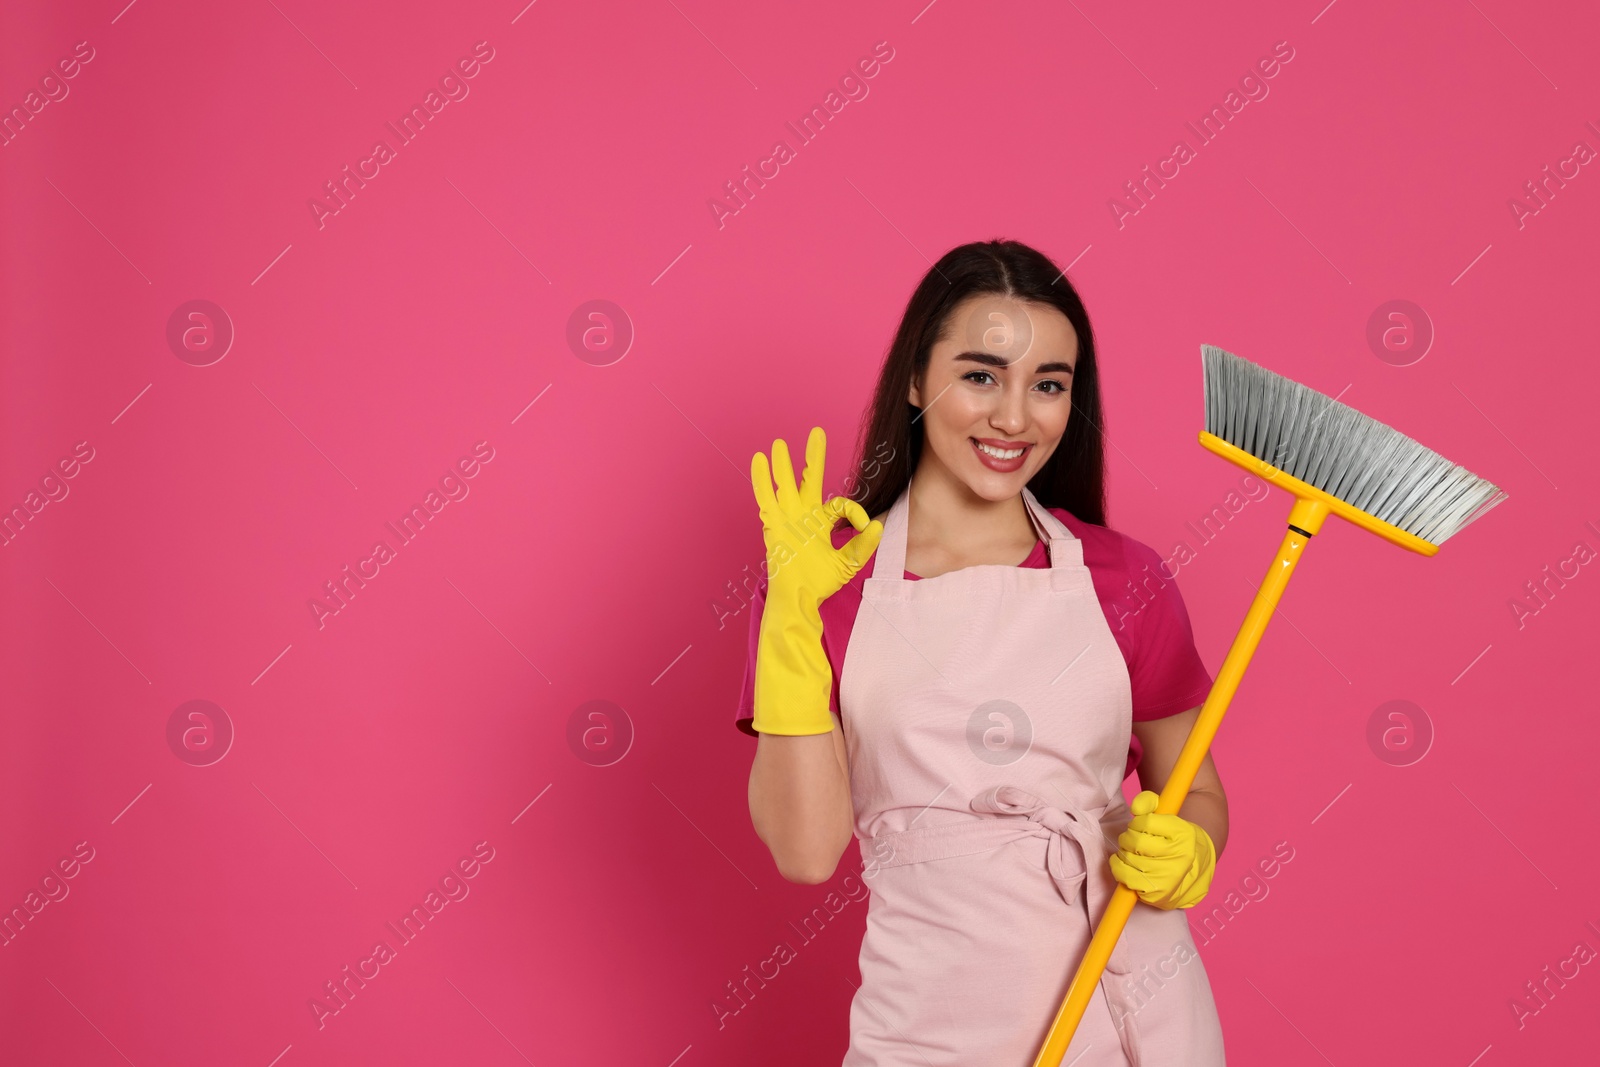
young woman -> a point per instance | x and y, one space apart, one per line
963 680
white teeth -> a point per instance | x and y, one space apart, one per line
1000 453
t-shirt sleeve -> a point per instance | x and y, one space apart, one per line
1164 670
747 694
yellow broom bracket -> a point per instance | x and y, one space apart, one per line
1307 495
1307 514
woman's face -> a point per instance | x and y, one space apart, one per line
997 392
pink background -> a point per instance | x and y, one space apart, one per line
591 554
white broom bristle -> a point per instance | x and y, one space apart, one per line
1337 449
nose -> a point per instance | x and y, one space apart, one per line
1010 414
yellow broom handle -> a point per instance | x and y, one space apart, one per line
1307 515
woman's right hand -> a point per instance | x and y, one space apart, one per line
793 679
797 526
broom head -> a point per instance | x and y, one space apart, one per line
1322 451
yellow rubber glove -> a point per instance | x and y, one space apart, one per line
793 677
1166 859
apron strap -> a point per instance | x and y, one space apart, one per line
1066 551
889 561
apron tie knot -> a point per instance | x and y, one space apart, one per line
1069 867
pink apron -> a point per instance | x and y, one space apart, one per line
987 715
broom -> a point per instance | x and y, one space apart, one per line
1332 459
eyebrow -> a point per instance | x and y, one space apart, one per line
989 359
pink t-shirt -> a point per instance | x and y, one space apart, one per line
1144 609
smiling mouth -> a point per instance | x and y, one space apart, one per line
1001 453
999 458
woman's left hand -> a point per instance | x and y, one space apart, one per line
1166 859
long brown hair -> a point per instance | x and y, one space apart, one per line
1074 476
